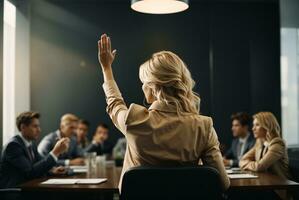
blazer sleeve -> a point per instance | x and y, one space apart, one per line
275 152
38 156
230 155
235 162
45 146
61 162
93 148
16 157
121 115
116 107
212 156
248 158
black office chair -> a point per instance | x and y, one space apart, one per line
10 194
162 183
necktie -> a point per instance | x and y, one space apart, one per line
239 150
31 154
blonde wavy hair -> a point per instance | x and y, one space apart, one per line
269 122
170 81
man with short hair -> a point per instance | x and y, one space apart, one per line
99 143
20 160
68 126
81 133
243 139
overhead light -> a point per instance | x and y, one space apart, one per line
159 6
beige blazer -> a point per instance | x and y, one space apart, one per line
274 159
158 136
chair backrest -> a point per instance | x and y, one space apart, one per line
163 183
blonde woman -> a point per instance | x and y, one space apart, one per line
270 152
170 132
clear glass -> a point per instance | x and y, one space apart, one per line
90 162
101 166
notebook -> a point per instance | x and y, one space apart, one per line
65 181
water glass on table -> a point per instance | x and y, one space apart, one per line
90 162
101 165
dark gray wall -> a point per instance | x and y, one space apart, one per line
232 50
246 52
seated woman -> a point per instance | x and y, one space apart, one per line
270 152
170 132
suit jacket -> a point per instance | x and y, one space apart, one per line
232 152
158 136
84 143
274 160
16 166
49 141
100 149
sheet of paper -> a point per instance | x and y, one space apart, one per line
63 181
60 181
80 170
229 171
78 167
240 176
91 180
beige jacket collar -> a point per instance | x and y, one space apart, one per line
162 106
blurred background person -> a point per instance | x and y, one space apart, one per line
270 152
82 133
68 126
20 161
243 139
100 143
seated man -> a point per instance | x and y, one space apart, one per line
68 125
81 134
99 143
20 161
243 139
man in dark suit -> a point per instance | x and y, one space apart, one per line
243 139
20 160
99 143
68 126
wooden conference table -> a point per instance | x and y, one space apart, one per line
265 181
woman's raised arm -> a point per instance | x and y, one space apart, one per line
116 107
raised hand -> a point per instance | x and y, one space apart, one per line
105 55
61 146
